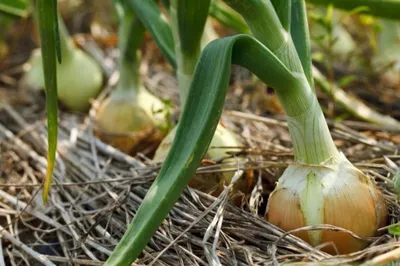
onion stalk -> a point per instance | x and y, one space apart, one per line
131 118
79 77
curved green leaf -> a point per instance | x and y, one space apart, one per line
380 8
195 131
266 26
151 17
48 29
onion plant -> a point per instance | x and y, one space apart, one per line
190 30
131 118
79 77
320 187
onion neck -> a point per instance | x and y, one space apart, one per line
131 35
186 63
312 141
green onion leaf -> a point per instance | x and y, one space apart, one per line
151 17
14 7
195 131
47 19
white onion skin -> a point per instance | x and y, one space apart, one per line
341 196
79 79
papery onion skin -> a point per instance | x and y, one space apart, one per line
349 200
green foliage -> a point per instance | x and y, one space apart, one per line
394 229
150 15
14 7
227 16
50 46
191 18
380 8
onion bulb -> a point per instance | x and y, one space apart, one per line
131 119
131 123
334 193
79 77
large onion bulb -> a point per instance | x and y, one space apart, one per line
334 193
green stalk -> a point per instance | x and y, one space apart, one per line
380 8
185 62
129 79
188 19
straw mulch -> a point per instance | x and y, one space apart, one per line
98 189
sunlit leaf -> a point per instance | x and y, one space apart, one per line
48 30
